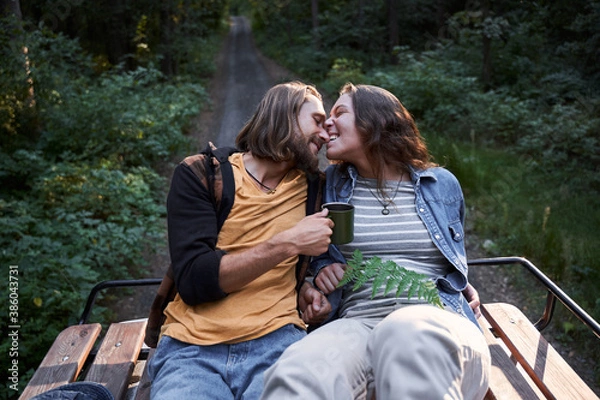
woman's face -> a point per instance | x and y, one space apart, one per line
344 141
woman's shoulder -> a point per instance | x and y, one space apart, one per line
437 172
439 177
443 173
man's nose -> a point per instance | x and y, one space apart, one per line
323 135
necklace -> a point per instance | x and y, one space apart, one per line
385 205
262 185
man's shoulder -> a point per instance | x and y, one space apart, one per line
195 159
211 157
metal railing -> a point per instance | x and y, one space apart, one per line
554 292
89 304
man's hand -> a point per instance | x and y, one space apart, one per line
328 278
472 297
312 235
313 304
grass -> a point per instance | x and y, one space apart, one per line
517 209
525 211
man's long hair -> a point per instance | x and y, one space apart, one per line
273 128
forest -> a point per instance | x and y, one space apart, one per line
97 99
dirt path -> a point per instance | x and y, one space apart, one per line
243 76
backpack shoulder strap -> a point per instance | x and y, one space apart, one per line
223 183
214 171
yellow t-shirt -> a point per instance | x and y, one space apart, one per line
268 302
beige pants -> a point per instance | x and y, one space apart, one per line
417 352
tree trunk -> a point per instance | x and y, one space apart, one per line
10 7
315 22
394 35
487 69
360 22
13 8
167 64
117 41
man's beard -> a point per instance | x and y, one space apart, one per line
303 156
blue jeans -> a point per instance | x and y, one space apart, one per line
181 371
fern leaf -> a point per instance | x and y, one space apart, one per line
392 275
380 280
390 284
413 288
402 285
348 276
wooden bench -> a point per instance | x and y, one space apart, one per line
112 364
524 364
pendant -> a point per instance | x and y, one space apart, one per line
385 211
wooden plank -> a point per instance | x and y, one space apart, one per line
546 367
143 389
117 356
507 381
64 360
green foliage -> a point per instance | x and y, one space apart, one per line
565 137
351 30
77 225
390 274
135 33
342 71
81 198
130 117
517 208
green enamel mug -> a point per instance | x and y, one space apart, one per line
342 215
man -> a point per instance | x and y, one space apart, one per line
236 308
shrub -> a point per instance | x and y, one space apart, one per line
80 198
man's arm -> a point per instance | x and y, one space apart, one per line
203 273
310 236
192 229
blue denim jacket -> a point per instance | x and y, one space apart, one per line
440 204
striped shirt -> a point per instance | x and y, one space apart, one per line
399 236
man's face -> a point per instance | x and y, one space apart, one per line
312 135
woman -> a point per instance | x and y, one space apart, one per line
410 211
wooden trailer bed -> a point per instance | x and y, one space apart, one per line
524 364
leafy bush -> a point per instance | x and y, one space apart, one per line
78 224
130 117
80 197
565 137
449 102
342 71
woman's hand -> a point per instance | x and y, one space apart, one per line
329 277
472 297
314 306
